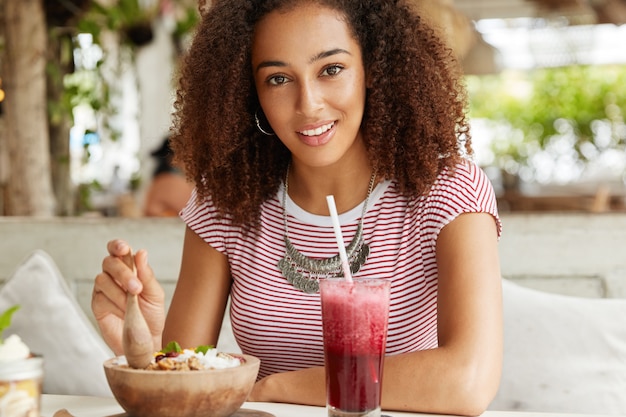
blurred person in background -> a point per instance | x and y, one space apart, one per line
169 190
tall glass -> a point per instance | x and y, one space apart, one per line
355 318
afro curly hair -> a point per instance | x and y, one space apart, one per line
414 122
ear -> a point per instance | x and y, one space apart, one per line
203 6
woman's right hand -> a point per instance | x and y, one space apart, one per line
108 301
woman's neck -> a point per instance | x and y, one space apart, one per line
308 187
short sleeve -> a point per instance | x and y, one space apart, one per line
467 189
202 217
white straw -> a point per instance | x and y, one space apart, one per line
342 246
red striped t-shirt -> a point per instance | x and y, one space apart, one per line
281 325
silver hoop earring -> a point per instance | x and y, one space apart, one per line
258 125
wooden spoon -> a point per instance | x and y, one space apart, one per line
136 337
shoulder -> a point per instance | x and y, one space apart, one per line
466 173
465 181
463 189
202 216
200 212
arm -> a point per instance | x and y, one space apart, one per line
462 375
197 309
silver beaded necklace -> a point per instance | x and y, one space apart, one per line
303 272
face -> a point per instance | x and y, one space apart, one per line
310 80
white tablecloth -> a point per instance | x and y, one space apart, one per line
80 406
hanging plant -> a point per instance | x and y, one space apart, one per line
127 17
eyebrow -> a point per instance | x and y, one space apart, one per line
326 54
317 57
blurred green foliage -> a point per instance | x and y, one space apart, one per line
118 17
539 105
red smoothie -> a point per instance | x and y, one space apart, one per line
355 317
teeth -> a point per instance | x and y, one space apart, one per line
318 131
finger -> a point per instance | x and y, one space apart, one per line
107 297
111 330
103 307
121 249
116 267
118 247
144 271
152 289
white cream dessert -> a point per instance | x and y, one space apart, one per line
21 375
13 348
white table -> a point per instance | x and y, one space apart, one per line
80 406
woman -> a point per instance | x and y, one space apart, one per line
284 102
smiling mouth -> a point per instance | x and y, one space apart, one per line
318 131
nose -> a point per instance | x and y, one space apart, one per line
309 98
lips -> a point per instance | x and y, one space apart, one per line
317 136
317 131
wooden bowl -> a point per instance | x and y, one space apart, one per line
205 393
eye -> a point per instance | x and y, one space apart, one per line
332 70
277 80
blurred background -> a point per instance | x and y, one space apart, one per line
87 87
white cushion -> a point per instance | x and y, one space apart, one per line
52 324
562 353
